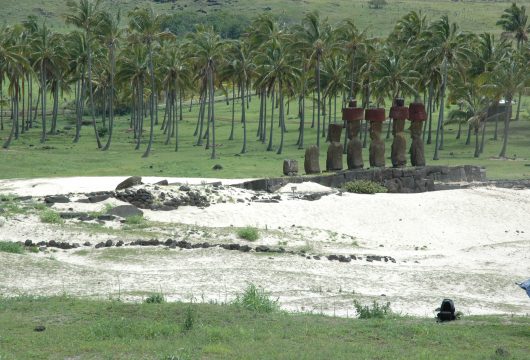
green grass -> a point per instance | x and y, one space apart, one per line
472 16
26 158
50 217
85 329
11 247
248 233
156 298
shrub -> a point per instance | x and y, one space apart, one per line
377 311
135 220
51 217
11 247
248 233
256 299
189 320
155 298
363 187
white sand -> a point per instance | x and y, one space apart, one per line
54 186
470 245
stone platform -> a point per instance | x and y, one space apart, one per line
397 180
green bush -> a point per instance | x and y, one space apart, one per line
189 320
248 233
11 247
155 298
363 187
50 217
256 299
135 220
377 311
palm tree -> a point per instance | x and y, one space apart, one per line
207 49
444 46
86 15
314 37
514 21
145 25
351 40
110 33
49 61
241 67
12 67
508 78
176 79
276 70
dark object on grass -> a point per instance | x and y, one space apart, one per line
39 328
525 285
217 167
447 311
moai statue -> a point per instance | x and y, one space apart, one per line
399 114
417 115
377 146
353 116
311 161
335 149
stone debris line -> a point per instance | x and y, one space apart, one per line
186 245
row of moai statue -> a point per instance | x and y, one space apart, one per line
353 117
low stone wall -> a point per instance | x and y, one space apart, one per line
397 180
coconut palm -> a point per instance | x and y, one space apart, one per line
12 67
207 52
276 69
314 37
109 32
145 26
508 78
444 46
86 16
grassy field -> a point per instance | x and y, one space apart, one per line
84 329
28 158
478 16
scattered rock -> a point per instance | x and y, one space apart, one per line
106 217
217 167
125 211
56 199
39 328
129 182
98 198
162 183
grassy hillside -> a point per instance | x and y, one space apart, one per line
476 16
81 329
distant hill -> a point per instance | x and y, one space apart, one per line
478 16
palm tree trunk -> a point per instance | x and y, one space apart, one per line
506 128
243 119
264 132
441 113
1 106
518 107
12 133
53 129
140 113
212 102
302 120
111 97
260 117
231 137
459 132
43 98
430 105
153 102
468 137
269 148
477 146
91 90
318 100
22 126
282 119
176 125
170 101
483 137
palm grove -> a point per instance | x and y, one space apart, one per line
136 66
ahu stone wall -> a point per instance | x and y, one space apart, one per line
397 180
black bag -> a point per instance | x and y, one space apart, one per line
447 311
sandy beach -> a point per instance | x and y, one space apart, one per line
469 245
